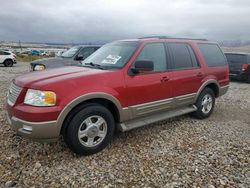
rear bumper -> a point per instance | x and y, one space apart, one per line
42 131
241 77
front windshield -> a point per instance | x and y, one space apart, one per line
112 55
71 52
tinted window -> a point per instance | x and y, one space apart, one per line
85 52
183 56
71 52
212 54
154 52
236 58
1 53
6 53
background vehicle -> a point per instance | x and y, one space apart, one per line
239 64
35 52
71 57
124 85
44 53
7 58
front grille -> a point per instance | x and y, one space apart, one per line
13 94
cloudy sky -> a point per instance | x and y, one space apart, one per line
79 21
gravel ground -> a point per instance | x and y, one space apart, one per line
181 152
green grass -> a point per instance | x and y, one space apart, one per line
29 58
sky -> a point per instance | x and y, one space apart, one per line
77 21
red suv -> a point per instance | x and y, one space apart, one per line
123 85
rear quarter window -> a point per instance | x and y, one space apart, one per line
213 55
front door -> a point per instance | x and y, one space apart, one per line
150 92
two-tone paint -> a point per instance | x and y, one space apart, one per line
133 98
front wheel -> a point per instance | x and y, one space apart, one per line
90 130
205 104
8 63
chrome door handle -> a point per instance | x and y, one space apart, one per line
164 79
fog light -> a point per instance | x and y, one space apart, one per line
27 128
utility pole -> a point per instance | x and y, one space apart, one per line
20 46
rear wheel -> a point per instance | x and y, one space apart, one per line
248 79
205 104
8 63
90 130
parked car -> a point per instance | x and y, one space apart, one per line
59 53
44 53
122 86
73 56
239 64
7 58
35 52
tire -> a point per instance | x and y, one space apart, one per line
84 135
8 63
248 80
204 110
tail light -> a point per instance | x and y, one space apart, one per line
244 67
14 55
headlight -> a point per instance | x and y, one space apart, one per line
40 98
39 67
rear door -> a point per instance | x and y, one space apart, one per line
235 62
186 73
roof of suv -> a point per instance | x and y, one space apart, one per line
237 53
164 38
87 45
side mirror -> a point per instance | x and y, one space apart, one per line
143 66
79 57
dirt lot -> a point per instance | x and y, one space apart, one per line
181 152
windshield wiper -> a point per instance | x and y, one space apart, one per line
94 65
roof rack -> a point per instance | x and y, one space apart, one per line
166 37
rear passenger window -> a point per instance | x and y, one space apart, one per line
212 54
154 52
183 56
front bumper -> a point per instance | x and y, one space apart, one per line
42 131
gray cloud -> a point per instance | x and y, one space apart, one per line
106 20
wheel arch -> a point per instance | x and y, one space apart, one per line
8 59
104 99
211 83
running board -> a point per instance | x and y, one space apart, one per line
139 122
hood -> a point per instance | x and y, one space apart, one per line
39 79
54 62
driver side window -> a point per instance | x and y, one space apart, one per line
154 52
86 52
